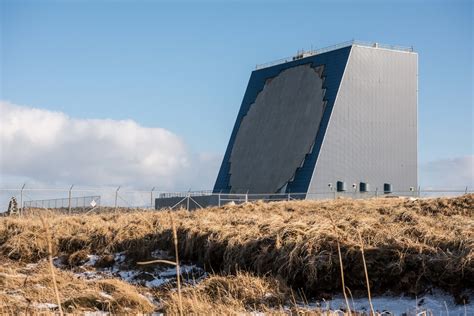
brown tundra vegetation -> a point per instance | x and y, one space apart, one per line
259 256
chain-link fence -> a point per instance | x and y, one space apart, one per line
77 198
101 198
69 203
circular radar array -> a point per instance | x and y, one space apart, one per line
278 131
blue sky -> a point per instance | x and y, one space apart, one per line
184 66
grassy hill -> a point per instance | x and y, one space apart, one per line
258 256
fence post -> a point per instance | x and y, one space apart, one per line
69 199
116 197
219 199
151 197
187 202
376 192
465 192
21 198
247 197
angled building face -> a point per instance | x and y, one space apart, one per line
347 115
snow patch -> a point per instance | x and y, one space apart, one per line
151 276
92 260
106 296
436 303
120 257
46 306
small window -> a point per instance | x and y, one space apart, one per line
387 188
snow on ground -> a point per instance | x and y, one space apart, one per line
436 303
45 306
154 276
151 276
160 277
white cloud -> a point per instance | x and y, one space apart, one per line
455 173
48 147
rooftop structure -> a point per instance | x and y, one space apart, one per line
312 52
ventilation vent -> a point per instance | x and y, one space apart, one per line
387 188
364 187
341 186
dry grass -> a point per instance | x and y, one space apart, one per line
229 295
409 246
24 287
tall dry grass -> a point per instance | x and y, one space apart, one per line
51 265
23 288
229 295
408 245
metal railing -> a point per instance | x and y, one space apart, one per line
237 198
190 201
184 194
303 54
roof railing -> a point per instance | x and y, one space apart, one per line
304 54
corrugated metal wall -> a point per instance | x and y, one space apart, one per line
372 131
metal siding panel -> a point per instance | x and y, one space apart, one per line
372 134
